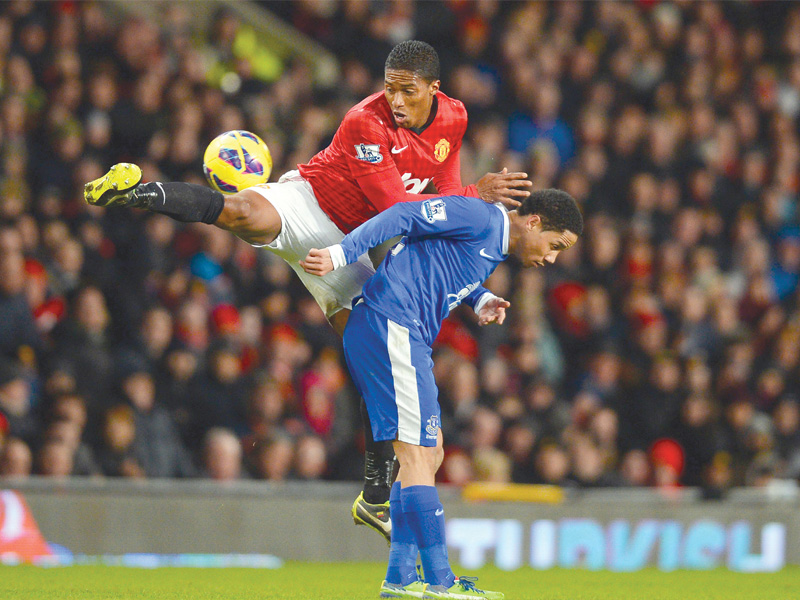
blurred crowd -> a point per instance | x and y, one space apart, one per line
664 349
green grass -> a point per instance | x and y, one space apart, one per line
312 581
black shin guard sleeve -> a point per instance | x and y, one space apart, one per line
186 202
379 463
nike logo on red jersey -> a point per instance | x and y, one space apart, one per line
396 150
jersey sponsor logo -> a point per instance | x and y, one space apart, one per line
432 427
434 210
396 150
369 153
455 299
441 150
485 255
414 185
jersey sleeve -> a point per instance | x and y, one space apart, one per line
449 216
477 298
448 179
365 141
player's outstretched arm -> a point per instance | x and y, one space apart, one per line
493 311
318 262
510 189
447 217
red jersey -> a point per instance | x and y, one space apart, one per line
372 163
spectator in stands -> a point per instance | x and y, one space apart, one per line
272 457
83 341
157 444
310 458
16 459
220 396
16 402
56 458
635 468
786 419
542 125
116 452
18 334
222 455
552 465
175 383
69 433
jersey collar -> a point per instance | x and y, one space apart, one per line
506 229
431 117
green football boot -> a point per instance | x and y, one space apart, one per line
115 188
415 589
463 589
375 516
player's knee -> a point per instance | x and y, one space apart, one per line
439 449
250 216
238 207
418 459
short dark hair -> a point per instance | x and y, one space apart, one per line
415 56
556 208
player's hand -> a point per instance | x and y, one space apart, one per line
494 311
318 262
510 189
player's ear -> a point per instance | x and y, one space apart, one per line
532 221
434 87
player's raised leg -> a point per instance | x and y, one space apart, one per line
247 214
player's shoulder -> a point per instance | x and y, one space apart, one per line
452 107
482 211
367 120
469 204
469 213
373 108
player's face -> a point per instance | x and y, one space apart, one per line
538 246
409 96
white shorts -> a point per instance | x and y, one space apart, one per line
304 226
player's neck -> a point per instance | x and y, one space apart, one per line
431 117
516 227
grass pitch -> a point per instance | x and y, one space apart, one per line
357 581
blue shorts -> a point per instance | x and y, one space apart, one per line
393 370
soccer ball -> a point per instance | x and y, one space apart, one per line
236 160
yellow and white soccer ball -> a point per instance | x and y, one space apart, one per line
236 160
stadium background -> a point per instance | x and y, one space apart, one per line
662 351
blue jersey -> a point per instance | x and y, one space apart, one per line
450 246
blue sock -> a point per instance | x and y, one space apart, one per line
425 516
403 553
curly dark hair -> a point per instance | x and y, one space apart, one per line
556 208
415 56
